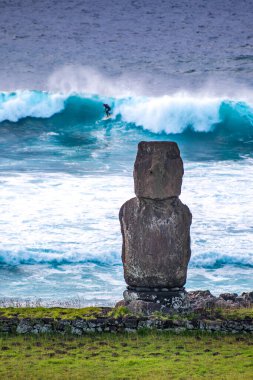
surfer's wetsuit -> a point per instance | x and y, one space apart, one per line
107 109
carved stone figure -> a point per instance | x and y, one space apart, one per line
155 228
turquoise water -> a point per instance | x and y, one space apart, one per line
65 173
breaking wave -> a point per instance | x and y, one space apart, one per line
172 114
50 257
217 260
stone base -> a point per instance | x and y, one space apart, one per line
171 299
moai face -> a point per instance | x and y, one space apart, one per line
158 170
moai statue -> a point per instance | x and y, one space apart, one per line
155 228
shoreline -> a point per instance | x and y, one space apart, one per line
198 299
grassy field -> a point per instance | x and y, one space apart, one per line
54 312
146 355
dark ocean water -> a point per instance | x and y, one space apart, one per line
161 45
177 71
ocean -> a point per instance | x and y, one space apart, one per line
171 71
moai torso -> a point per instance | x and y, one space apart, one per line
156 224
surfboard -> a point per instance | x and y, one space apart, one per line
107 117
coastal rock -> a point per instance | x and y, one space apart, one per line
201 299
228 296
158 170
248 297
156 242
204 299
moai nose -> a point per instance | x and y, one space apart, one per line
153 169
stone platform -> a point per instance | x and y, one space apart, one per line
175 298
142 300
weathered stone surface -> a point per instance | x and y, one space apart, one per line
121 303
229 296
143 307
201 299
248 297
158 170
174 299
156 242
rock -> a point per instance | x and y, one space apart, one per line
40 328
156 242
24 327
131 323
248 297
143 307
158 170
76 331
201 299
241 301
228 296
222 304
121 303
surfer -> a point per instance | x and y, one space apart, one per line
107 109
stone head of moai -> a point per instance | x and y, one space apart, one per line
158 170
155 225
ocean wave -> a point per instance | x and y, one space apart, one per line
56 258
21 104
212 260
207 260
170 114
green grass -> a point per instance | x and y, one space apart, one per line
54 312
147 355
237 313
119 312
98 312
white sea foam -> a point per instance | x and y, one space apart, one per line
61 218
64 218
21 104
171 114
